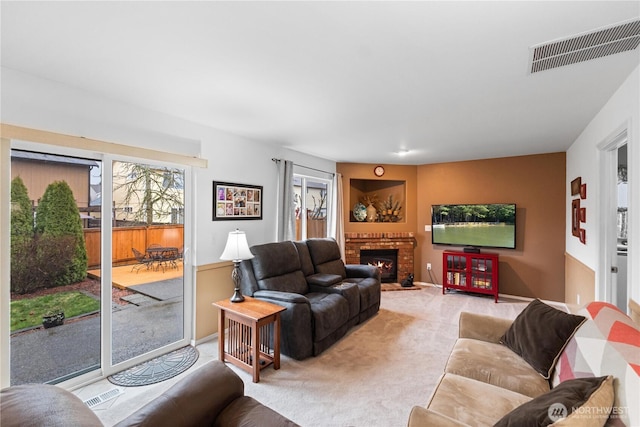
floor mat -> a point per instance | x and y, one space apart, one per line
156 370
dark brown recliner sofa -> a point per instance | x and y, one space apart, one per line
212 395
323 296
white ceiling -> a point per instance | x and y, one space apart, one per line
346 81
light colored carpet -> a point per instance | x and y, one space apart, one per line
372 377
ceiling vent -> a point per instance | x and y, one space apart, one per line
586 46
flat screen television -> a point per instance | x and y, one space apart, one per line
476 225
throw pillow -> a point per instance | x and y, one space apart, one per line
539 334
581 402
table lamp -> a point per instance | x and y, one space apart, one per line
236 250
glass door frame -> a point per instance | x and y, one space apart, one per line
106 368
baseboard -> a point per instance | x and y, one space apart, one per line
203 340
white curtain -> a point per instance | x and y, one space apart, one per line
286 219
338 218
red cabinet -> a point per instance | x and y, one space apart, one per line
470 272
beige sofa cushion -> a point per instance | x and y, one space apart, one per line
472 402
422 417
495 364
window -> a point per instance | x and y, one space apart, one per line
312 206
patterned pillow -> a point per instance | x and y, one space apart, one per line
607 344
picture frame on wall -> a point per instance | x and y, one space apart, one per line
575 186
575 217
232 201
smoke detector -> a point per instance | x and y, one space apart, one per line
594 44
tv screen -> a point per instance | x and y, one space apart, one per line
489 225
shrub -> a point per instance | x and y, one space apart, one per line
21 211
57 215
40 262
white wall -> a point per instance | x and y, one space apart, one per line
583 160
45 105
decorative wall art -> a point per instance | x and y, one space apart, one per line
575 217
575 186
236 201
578 213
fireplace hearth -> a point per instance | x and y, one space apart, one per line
385 259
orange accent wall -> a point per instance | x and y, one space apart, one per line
535 183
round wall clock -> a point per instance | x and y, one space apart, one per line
378 171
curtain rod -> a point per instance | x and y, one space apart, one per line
306 167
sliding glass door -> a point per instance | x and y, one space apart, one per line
98 278
147 262
55 303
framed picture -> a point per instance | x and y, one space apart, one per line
236 201
575 217
575 186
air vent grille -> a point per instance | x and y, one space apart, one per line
101 398
595 44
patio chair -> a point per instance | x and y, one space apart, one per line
170 256
143 260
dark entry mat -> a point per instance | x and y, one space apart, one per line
156 370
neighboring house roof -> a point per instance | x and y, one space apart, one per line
41 157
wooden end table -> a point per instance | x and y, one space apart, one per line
253 326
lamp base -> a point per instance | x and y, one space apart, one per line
237 296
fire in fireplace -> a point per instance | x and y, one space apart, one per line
385 259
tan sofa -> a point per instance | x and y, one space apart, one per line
484 380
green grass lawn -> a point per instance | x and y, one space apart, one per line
28 312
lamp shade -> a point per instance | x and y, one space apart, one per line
237 248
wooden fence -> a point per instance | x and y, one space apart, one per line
125 238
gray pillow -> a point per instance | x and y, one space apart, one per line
539 334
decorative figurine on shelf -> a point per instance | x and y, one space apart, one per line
408 282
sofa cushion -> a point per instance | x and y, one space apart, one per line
330 312
584 402
608 343
473 402
276 267
306 265
35 405
370 291
326 257
540 333
495 364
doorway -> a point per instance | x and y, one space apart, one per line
613 286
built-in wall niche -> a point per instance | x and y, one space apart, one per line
388 197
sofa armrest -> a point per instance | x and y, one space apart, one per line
421 417
196 399
482 327
362 270
323 279
282 297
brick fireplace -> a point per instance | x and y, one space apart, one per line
404 242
